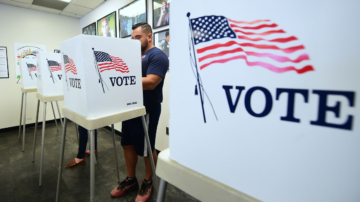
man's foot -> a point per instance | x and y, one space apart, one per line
128 184
88 152
75 162
145 191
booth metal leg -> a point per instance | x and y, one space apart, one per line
36 124
57 105
116 159
61 159
52 106
21 112
89 139
92 165
24 122
162 191
42 144
149 149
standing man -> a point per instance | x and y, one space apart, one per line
154 66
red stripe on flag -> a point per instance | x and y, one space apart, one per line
256 28
280 40
262 46
261 34
262 64
272 56
279 58
259 46
251 22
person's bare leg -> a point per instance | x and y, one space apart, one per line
149 172
78 160
131 159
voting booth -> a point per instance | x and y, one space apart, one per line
98 73
102 86
49 89
28 70
264 96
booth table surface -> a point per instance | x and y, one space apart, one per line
49 98
98 122
197 185
28 90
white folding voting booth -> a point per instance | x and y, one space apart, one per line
264 98
50 89
102 86
28 72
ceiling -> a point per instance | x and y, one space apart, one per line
73 8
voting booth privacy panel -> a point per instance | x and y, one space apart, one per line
49 81
101 76
28 70
265 96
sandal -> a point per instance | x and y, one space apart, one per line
73 163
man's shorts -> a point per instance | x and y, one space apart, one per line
133 131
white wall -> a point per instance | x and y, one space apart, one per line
20 25
162 140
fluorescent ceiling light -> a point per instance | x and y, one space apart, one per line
65 0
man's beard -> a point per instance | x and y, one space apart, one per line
144 47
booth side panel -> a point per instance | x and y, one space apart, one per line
52 83
112 86
28 66
73 73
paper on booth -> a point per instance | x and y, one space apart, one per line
102 76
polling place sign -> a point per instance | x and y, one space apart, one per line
264 96
101 76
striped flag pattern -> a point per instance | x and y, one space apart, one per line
107 62
69 65
54 66
260 43
31 67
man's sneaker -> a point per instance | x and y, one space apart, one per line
124 186
145 192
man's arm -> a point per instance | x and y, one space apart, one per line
151 81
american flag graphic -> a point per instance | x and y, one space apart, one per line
108 62
218 39
54 66
31 67
69 65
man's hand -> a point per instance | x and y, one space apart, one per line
151 81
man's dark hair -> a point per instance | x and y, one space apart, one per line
145 27
166 34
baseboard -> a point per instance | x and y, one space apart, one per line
29 125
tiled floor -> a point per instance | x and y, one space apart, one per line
19 176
